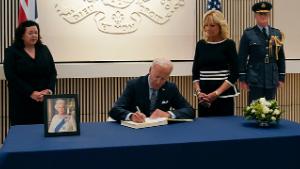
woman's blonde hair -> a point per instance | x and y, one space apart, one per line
215 16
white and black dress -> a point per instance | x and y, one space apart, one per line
214 63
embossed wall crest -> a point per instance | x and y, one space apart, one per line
118 16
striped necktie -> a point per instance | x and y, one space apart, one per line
153 99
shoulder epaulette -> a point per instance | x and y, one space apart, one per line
250 28
274 28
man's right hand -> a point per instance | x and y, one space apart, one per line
138 117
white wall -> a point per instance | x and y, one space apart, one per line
131 36
131 69
286 13
286 18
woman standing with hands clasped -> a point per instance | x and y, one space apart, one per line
30 71
215 67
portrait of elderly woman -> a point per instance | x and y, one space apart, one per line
63 119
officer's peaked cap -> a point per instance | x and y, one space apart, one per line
262 7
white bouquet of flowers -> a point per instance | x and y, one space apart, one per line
263 111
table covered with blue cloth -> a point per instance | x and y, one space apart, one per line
209 143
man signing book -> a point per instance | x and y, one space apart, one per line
152 96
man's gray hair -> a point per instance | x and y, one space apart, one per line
163 62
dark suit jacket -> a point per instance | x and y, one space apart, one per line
137 94
25 75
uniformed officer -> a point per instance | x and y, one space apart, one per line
261 55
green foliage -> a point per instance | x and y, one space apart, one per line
263 110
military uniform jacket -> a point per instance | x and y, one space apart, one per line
261 65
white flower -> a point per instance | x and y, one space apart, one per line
264 102
261 110
266 109
276 112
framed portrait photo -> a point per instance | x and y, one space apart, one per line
61 115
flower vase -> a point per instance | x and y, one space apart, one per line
263 124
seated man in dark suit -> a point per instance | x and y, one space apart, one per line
152 96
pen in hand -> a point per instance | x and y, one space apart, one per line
138 116
138 109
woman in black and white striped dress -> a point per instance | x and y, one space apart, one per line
215 68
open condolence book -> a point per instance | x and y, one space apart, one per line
153 122
148 123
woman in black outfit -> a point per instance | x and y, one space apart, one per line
215 67
30 71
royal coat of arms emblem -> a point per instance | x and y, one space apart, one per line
118 16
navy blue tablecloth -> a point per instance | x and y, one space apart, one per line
216 142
